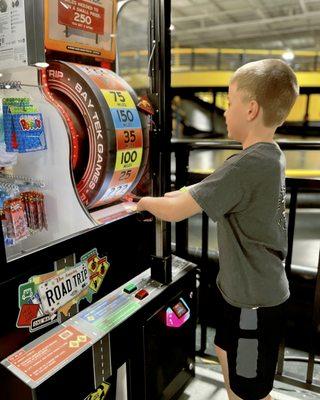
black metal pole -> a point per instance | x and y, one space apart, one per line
160 74
182 166
204 281
315 327
291 226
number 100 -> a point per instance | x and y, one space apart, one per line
128 157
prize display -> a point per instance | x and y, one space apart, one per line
83 132
79 128
23 126
22 211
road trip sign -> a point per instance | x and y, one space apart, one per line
43 297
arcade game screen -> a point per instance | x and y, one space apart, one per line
179 309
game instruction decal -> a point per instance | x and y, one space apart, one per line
43 297
38 361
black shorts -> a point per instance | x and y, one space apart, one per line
251 338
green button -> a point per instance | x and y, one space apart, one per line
130 288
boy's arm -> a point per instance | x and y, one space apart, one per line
171 209
178 192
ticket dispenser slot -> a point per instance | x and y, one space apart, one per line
177 314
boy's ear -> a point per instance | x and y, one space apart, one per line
253 110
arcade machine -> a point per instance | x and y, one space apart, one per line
94 305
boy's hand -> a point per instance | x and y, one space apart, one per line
140 204
132 207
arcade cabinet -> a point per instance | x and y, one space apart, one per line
95 304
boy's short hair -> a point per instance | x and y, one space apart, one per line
273 84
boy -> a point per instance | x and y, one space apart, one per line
246 196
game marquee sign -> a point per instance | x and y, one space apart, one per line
43 297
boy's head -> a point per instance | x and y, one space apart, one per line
261 95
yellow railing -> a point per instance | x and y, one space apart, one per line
209 50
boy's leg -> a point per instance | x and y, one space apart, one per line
223 360
247 342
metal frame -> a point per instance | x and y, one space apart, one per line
34 12
160 82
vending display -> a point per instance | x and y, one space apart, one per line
83 136
79 129
83 132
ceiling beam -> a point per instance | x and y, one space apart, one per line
303 6
274 35
245 24
215 14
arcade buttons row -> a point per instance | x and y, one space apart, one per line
141 294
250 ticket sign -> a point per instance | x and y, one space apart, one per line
81 15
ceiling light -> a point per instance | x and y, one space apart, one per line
1 74
288 55
172 27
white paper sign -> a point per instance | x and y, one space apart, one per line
13 38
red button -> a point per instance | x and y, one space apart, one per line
141 294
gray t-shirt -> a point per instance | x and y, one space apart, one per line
246 196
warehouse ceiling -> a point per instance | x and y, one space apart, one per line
249 24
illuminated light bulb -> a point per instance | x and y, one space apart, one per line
41 64
288 55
